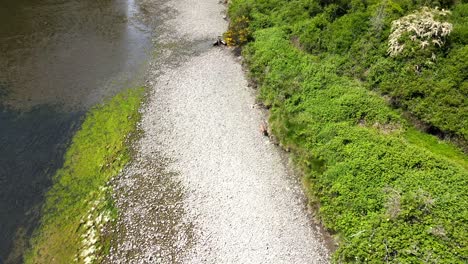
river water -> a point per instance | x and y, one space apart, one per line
58 58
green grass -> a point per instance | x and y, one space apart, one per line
389 193
436 146
99 150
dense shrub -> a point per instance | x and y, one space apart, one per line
426 74
391 193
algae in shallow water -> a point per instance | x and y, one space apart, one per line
99 150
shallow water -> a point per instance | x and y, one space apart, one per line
57 59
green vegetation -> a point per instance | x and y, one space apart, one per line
389 192
79 205
427 79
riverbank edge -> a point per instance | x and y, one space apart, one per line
79 211
316 163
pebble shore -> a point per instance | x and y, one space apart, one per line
205 185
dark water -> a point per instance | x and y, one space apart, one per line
57 59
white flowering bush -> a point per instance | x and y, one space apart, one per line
422 28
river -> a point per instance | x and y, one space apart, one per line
58 58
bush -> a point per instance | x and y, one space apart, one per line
420 29
238 32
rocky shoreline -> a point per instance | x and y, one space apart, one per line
206 186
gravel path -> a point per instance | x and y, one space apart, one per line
206 186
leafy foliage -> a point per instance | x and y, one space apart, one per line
391 193
97 153
428 78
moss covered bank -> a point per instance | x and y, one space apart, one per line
78 207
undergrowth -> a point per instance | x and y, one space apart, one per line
390 193
79 205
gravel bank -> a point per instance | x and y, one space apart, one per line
206 186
